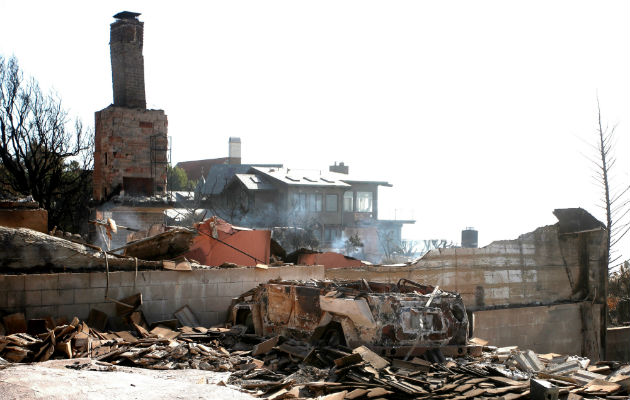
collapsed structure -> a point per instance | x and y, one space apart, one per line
360 327
390 319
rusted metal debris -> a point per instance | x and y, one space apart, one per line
402 319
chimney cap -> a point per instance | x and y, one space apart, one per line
234 139
126 15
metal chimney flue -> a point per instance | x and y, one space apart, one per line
470 238
234 155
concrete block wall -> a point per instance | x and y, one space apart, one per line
538 267
618 343
479 286
545 329
208 292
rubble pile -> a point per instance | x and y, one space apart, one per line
279 367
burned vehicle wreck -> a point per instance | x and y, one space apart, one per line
391 319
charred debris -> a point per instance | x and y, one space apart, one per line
331 339
298 360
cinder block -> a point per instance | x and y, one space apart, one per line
144 277
155 292
89 296
74 281
97 279
115 278
208 318
41 282
218 275
70 311
121 292
13 282
210 290
15 299
42 311
183 290
127 278
190 277
57 297
198 291
33 298
265 275
220 304
201 275
230 289
162 277
106 307
195 305
242 274
156 310
248 285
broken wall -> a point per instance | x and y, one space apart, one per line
618 343
129 144
329 260
208 292
564 262
539 267
545 329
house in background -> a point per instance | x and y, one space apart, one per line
333 205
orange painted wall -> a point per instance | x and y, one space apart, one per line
329 260
209 251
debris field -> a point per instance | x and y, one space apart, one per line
284 365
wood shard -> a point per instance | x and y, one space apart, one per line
371 357
265 347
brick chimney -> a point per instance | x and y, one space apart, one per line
130 142
234 151
125 43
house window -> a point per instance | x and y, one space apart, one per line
331 202
298 202
331 233
315 202
364 201
348 201
317 233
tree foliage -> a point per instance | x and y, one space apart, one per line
353 245
178 180
42 153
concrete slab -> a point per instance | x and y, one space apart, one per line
52 380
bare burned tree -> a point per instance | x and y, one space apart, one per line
615 200
41 153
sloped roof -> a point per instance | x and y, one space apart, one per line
220 175
302 177
197 168
309 177
253 182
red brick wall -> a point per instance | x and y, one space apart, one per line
123 148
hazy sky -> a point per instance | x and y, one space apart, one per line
478 112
